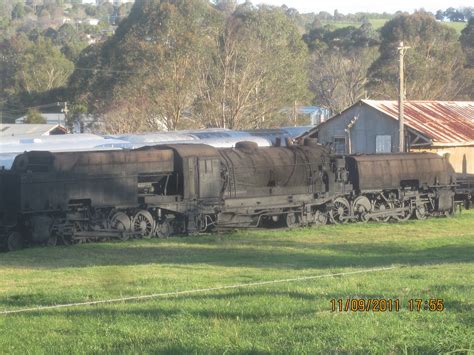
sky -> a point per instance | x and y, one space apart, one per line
352 6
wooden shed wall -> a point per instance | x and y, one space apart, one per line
368 126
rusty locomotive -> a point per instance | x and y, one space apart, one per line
157 191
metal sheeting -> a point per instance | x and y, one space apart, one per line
220 137
226 142
58 143
10 146
14 130
445 122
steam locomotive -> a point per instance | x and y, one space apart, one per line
77 197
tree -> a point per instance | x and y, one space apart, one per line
18 12
468 12
439 15
44 14
454 15
339 78
337 16
434 66
31 73
258 68
226 6
10 53
467 41
154 56
33 116
340 60
345 38
42 67
70 41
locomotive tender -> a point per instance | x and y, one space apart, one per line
157 191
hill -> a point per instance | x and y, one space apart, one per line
378 23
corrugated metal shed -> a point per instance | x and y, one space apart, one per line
9 130
444 122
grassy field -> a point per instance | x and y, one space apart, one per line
378 23
432 259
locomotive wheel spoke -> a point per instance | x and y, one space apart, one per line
320 218
121 222
406 214
143 224
200 223
164 230
361 207
421 212
291 220
68 238
340 211
381 206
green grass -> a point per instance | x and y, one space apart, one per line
433 259
458 26
378 23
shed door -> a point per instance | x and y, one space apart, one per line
383 144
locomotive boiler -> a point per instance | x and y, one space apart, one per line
77 197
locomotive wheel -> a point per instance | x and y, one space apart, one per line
421 213
320 218
291 220
121 222
143 224
164 230
15 241
200 222
360 207
68 238
379 206
407 214
52 240
340 210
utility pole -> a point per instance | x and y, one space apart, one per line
65 110
401 98
295 115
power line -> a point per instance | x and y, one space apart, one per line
193 291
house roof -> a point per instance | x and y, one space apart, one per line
445 123
9 130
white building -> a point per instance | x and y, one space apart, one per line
51 118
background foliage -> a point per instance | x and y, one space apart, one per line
173 64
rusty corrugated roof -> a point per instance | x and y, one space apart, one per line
444 122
